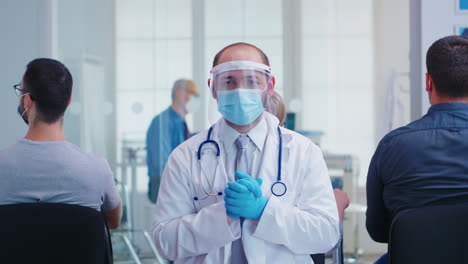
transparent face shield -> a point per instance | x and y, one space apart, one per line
241 90
240 74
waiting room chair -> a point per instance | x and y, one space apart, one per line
53 233
318 258
336 252
430 235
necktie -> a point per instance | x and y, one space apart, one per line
242 160
242 164
186 131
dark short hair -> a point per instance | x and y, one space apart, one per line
447 63
50 84
241 44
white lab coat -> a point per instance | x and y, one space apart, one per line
304 221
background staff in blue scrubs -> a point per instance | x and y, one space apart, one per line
166 132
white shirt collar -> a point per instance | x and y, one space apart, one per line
257 134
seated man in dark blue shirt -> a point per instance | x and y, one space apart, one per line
426 162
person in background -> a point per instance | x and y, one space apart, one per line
45 168
275 106
425 162
342 202
166 131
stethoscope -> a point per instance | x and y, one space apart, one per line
278 188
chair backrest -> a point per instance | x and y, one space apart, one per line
435 234
318 258
53 233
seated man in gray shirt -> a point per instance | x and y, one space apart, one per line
43 166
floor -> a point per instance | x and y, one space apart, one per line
348 259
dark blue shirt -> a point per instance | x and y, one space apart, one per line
166 132
423 163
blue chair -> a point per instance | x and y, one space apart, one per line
430 235
53 233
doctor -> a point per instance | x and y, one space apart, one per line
245 190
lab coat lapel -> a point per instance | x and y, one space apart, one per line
254 248
221 179
268 169
285 158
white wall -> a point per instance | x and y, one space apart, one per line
24 36
391 53
337 66
392 46
415 59
85 44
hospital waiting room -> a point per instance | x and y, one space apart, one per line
221 131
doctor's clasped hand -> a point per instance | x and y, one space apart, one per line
243 198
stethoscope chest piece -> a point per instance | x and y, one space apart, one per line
278 189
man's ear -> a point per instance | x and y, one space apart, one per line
213 92
27 101
429 83
69 101
271 85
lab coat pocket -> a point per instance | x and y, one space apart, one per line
204 201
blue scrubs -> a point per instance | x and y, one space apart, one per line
166 132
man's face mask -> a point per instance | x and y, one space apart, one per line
239 86
193 104
240 106
21 111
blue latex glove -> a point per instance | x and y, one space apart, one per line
230 203
252 184
241 201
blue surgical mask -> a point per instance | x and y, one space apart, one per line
22 115
22 112
240 106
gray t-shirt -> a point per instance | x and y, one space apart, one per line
55 172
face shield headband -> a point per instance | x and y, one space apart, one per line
240 74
